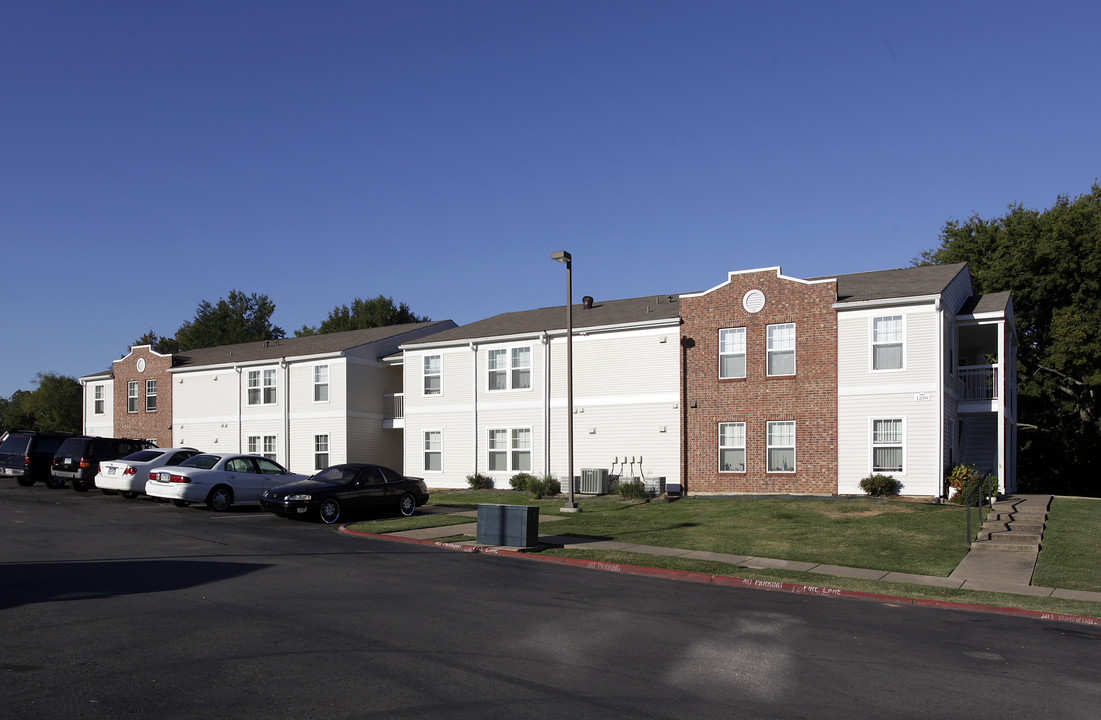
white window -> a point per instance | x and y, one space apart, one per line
97 394
510 450
433 450
887 343
321 385
732 447
262 445
433 375
732 353
781 447
781 349
887 445
320 452
150 396
261 387
132 396
510 369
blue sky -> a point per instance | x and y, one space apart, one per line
156 154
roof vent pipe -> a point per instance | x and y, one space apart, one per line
587 301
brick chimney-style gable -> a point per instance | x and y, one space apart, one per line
143 396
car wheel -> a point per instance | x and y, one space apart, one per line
220 499
329 512
55 483
25 481
129 495
407 505
181 503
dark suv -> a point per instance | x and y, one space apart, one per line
77 460
27 455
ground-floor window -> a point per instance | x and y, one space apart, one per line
510 450
262 445
887 445
732 447
320 452
433 450
781 446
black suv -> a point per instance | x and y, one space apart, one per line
27 455
78 458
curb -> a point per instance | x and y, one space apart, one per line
730 581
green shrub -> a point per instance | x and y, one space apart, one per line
633 489
478 481
522 481
544 486
880 485
969 486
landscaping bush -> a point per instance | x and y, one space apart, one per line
880 485
477 481
522 481
544 486
633 489
968 485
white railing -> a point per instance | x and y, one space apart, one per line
979 382
393 406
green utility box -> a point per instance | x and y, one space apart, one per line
508 525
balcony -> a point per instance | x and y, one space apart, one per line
978 387
393 410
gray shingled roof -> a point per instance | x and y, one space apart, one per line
610 312
293 347
990 303
900 283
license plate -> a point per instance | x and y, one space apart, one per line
163 477
110 471
301 510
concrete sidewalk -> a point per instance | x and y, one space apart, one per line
989 571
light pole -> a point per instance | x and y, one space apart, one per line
564 257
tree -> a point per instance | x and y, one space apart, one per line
376 312
236 319
158 343
1051 261
54 406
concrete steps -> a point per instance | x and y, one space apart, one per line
1014 525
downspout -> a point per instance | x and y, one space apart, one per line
546 402
1002 386
474 399
942 401
286 410
84 407
237 368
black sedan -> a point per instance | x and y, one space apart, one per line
347 488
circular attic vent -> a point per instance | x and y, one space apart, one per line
753 301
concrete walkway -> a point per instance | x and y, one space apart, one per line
1004 572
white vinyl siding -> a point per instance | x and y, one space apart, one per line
732 353
732 447
781 349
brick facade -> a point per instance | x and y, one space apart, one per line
809 397
144 424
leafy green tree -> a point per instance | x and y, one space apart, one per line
54 406
160 344
236 319
376 312
1051 261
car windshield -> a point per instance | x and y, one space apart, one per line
203 462
143 455
336 475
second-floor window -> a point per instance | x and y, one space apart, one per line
781 349
732 353
887 343
150 396
261 387
433 375
321 384
132 396
97 391
510 368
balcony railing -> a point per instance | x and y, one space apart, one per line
978 382
393 406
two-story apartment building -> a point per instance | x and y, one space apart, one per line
808 386
490 397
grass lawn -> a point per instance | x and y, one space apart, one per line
1071 554
894 535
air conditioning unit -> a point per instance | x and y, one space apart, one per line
594 481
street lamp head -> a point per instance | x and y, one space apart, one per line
561 256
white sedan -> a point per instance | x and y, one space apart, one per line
128 475
219 480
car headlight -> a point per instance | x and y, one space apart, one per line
294 498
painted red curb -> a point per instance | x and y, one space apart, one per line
731 581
